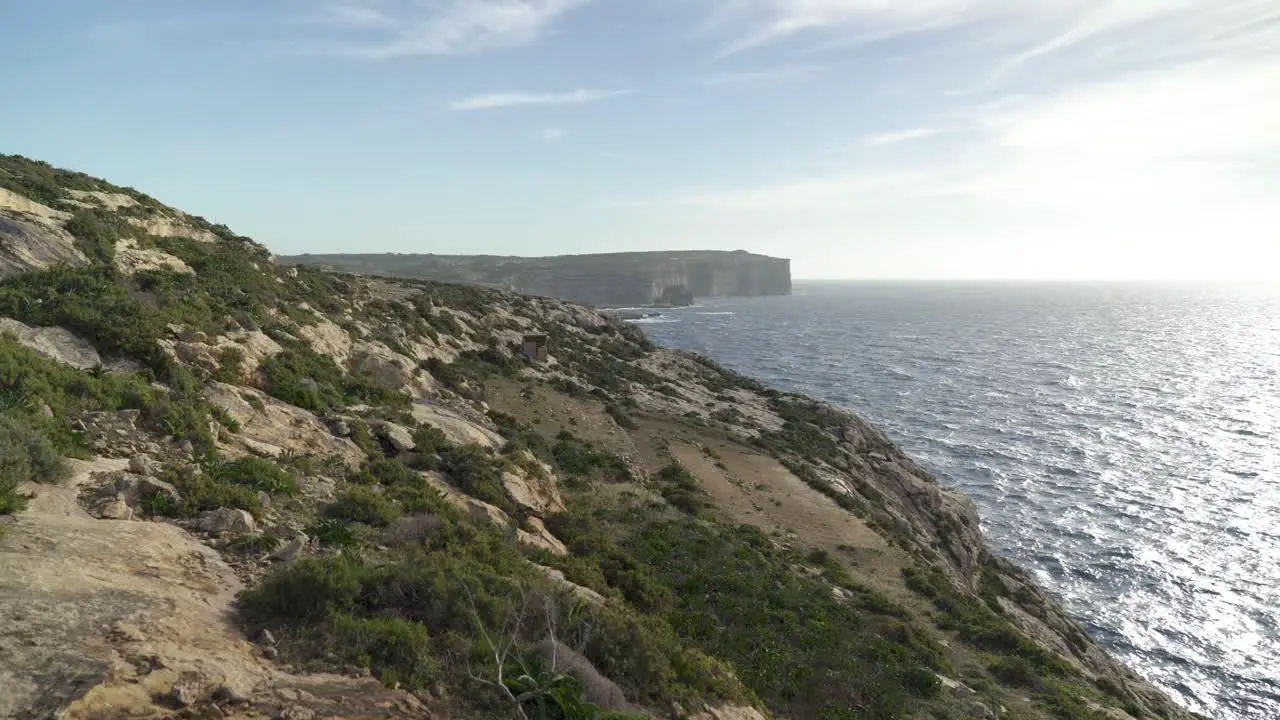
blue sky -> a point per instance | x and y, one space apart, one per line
862 138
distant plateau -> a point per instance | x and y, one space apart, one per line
603 280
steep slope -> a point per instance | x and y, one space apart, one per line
292 482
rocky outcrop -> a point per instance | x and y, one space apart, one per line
110 619
54 343
32 237
264 419
173 227
131 260
615 279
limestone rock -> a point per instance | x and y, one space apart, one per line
291 549
297 712
280 424
32 238
227 520
398 436
585 594
54 343
327 338
142 464
131 260
261 449
729 713
190 689
113 508
534 491
387 368
597 689
173 227
537 535
340 428
456 428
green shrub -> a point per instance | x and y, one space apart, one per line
96 233
253 544
305 592
333 532
26 455
680 488
231 366
578 457
398 651
256 473
364 505
302 377
202 492
1014 670
474 471
797 647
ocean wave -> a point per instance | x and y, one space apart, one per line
1109 452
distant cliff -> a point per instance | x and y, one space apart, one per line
614 279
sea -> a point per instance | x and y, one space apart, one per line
1122 442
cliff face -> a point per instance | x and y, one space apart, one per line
303 494
607 280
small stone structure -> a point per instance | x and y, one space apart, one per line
534 347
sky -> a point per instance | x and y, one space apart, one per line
969 139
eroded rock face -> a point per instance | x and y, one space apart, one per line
279 424
536 534
54 343
131 260
458 429
173 227
534 486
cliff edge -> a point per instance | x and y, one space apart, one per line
233 488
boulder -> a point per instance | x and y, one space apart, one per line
261 449
398 436
596 688
54 343
227 520
190 689
113 508
142 464
291 549
534 493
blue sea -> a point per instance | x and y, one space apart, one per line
1121 441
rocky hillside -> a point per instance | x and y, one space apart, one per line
605 280
231 488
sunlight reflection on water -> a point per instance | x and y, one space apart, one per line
1122 442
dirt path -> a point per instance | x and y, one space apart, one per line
100 618
757 490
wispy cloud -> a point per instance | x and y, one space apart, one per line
1041 28
762 75
493 101
900 136
553 134
385 29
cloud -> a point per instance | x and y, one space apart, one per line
900 136
493 101
385 29
764 75
1158 173
553 134
1041 28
